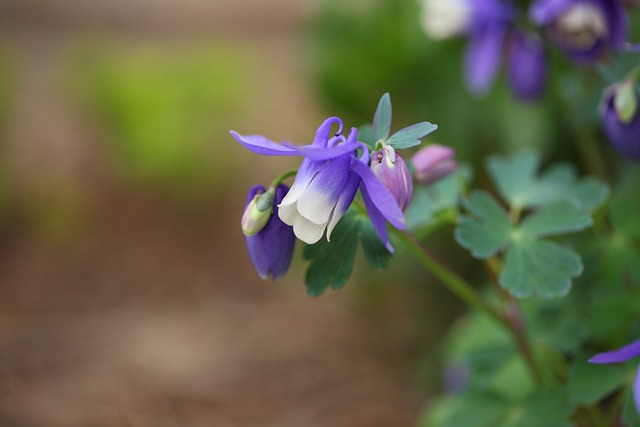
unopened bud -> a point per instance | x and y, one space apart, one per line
258 210
433 163
392 171
625 101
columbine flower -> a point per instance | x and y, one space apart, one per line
433 163
487 29
327 181
527 65
620 113
270 247
392 171
583 29
622 355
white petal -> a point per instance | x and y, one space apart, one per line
316 206
308 231
287 213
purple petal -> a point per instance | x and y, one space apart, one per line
261 145
346 198
322 134
483 56
317 152
377 219
380 195
527 66
543 12
636 390
620 355
616 22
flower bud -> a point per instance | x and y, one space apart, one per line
270 248
392 171
433 163
527 65
621 119
258 210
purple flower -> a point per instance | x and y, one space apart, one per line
270 248
392 171
622 355
487 29
327 182
527 65
583 29
621 123
433 163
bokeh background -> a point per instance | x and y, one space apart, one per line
126 296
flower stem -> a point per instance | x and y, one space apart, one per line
282 177
451 280
591 155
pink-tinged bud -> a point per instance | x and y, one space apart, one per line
433 163
392 171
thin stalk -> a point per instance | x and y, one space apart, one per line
282 177
448 278
591 155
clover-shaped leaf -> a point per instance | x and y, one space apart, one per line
518 183
331 263
488 231
531 265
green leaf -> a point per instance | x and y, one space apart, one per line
382 118
517 181
410 136
429 201
478 410
589 383
557 218
488 231
630 415
547 407
539 267
331 263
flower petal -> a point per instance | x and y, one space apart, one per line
380 195
322 194
345 200
322 134
620 355
307 171
483 56
636 390
261 145
543 12
318 153
307 231
377 219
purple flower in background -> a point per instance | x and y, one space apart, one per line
327 182
527 65
433 163
620 113
487 29
583 29
392 171
622 355
271 246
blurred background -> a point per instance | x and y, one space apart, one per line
126 295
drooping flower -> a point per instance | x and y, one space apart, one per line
271 246
433 163
327 181
526 65
392 171
623 354
620 111
583 29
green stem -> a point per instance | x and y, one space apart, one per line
591 155
451 280
282 177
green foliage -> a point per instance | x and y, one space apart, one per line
516 179
589 383
532 265
411 135
331 263
435 204
382 118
